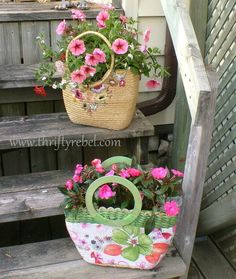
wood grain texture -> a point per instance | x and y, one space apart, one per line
59 259
195 170
188 53
37 130
210 260
31 196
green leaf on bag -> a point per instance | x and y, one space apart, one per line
149 225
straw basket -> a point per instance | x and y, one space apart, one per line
109 103
116 237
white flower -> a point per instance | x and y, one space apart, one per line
131 56
54 86
44 78
44 52
60 67
42 42
63 81
132 46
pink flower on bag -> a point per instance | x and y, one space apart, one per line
101 25
152 84
120 46
123 19
124 173
88 70
102 16
105 192
78 76
177 173
60 67
78 94
159 173
171 208
77 47
100 55
95 162
91 59
110 173
134 172
77 14
114 167
69 184
146 36
61 28
77 179
78 169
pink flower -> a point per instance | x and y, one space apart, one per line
96 162
61 28
108 7
91 59
177 173
101 24
159 173
110 173
78 94
102 16
120 46
171 208
143 48
77 14
134 172
152 84
78 76
100 55
88 70
78 169
114 167
122 83
123 19
77 178
124 173
105 192
146 36
60 67
99 168
69 184
77 47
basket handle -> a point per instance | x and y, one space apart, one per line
113 179
115 160
109 71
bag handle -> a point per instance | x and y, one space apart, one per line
115 160
113 179
109 71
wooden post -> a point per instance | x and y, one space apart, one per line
117 3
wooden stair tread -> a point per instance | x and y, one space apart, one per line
57 126
32 195
59 259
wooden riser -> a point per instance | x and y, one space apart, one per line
59 259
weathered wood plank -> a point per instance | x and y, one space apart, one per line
219 215
188 53
31 196
210 260
194 272
59 259
35 130
195 170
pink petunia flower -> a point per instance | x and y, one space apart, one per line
61 28
91 59
146 36
152 84
120 46
77 179
124 173
60 67
143 48
110 173
77 47
100 55
78 169
177 173
105 192
69 184
102 16
123 19
88 70
159 173
134 172
77 14
171 208
99 168
96 162
78 94
101 24
78 76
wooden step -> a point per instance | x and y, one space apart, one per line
59 259
38 130
31 196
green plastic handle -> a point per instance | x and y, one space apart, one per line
113 179
116 159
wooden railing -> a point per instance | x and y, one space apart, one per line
200 88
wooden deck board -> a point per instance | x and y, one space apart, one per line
59 259
37 130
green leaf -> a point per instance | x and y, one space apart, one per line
131 230
163 189
63 190
131 253
147 193
149 225
145 244
120 236
124 204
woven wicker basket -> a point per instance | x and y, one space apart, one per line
115 106
115 237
